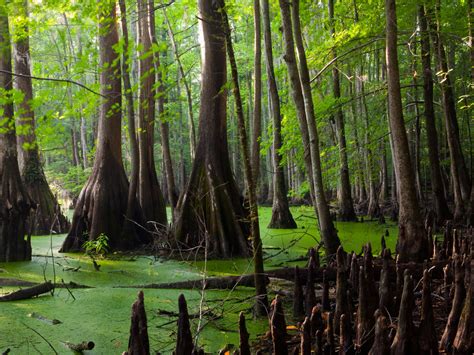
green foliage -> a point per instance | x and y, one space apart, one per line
98 246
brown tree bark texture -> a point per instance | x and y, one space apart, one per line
411 237
14 200
102 203
211 206
47 216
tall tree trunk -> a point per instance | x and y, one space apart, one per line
301 93
261 305
257 94
412 243
210 211
132 133
164 126
102 203
346 204
149 191
281 215
438 195
48 216
459 175
15 203
187 87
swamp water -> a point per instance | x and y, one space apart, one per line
102 313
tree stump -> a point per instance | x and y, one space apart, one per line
385 291
298 296
342 303
457 305
428 340
464 340
405 341
244 336
310 296
306 337
325 303
184 341
278 328
381 345
138 343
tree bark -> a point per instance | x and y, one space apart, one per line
102 203
281 215
301 93
346 205
149 192
438 194
14 200
164 125
47 216
261 305
412 243
459 175
187 87
132 133
257 94
210 212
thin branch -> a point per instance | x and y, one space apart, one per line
53 79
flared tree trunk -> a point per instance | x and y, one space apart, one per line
102 203
210 211
346 205
149 191
440 204
412 243
281 215
14 200
47 216
301 93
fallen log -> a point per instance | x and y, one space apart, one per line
226 282
28 292
7 282
4 282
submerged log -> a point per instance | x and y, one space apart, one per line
30 292
138 342
184 341
405 341
225 283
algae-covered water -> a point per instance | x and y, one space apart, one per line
102 312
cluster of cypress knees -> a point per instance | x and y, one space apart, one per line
375 308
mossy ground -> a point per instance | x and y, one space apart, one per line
102 313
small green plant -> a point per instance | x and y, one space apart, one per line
98 246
